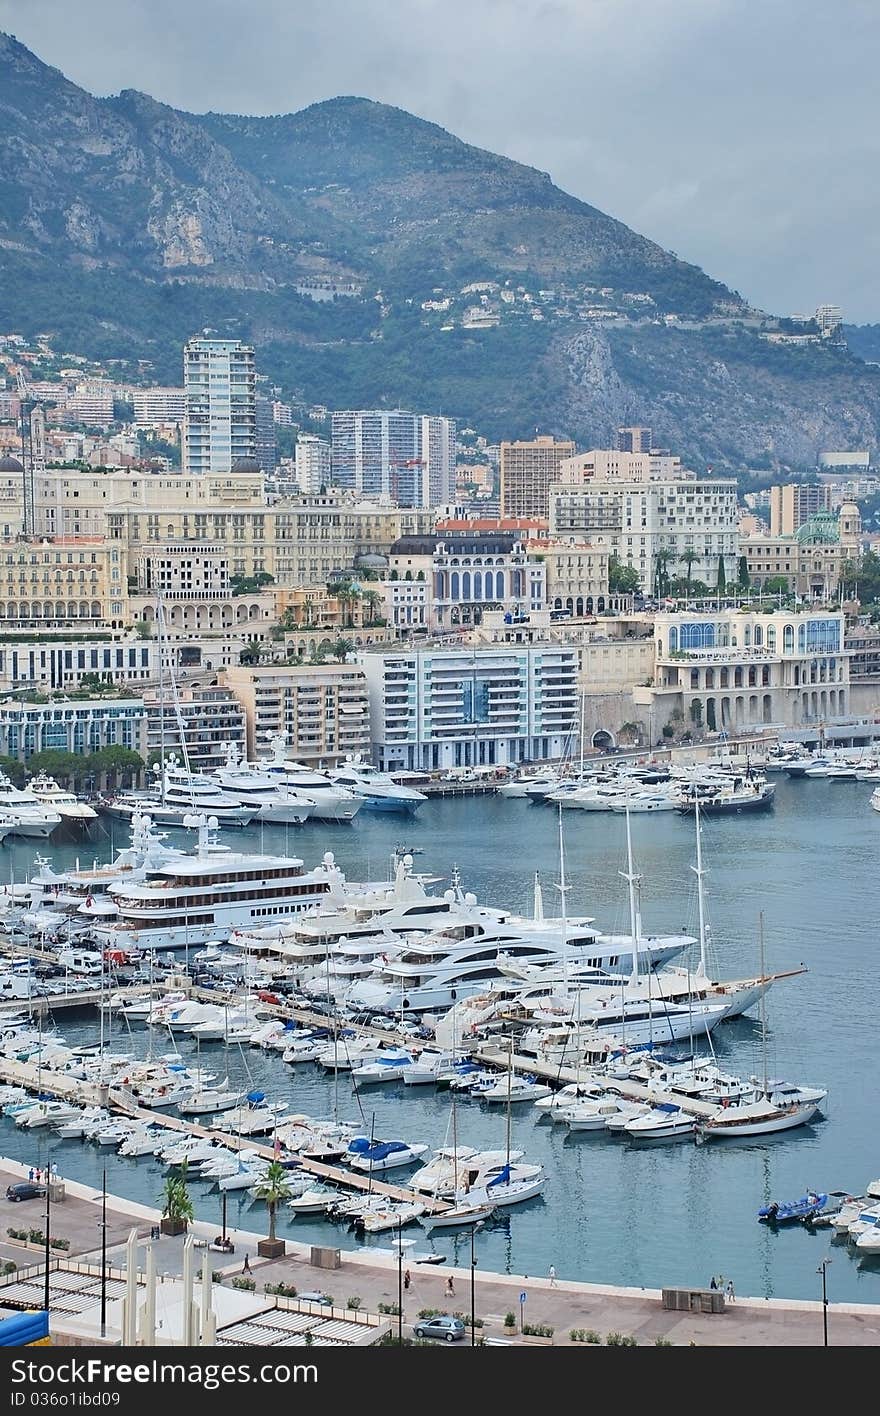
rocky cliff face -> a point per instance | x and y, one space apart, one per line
126 225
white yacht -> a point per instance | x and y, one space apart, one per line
179 794
68 805
30 816
332 802
272 801
85 892
377 790
521 786
193 898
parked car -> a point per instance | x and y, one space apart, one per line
443 1326
24 1190
316 1297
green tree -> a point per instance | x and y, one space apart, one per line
55 762
661 573
689 556
776 585
274 1187
14 770
722 576
250 654
341 649
742 578
622 579
177 1205
372 599
113 762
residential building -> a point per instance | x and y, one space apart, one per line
651 514
405 458
321 709
406 605
634 440
829 318
48 664
158 405
61 582
863 647
528 470
212 721
91 402
282 413
266 437
577 574
810 561
794 503
81 726
312 463
219 377
737 669
432 708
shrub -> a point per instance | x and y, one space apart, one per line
35 1236
59 1243
17 1233
617 1339
466 1319
393 1310
353 1304
537 1330
510 1320
9 1266
248 1284
662 1342
280 1290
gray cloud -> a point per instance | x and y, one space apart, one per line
742 136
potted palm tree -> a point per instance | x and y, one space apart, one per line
177 1211
273 1188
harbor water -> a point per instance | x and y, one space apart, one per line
665 1214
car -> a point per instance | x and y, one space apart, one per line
316 1297
24 1190
443 1326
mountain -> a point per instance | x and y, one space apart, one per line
342 240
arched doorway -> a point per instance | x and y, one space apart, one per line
603 740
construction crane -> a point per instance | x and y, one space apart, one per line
394 467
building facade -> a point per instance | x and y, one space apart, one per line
650 514
739 669
577 575
312 463
82 726
810 561
213 720
322 710
405 458
794 503
527 472
220 427
46 664
432 709
154 406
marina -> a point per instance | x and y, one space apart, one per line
600 1183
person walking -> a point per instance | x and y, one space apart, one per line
406 1279
450 1287
551 1272
246 1267
714 1283
729 1293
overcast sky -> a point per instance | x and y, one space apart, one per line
742 134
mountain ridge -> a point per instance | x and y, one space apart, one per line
128 225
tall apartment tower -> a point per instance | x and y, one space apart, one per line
795 503
396 456
220 427
267 439
633 439
528 470
312 463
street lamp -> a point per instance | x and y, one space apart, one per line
821 1269
48 1213
400 1282
474 1228
104 1254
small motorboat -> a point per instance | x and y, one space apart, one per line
382 1155
807 1208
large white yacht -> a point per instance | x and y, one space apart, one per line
67 804
271 800
332 802
180 794
462 958
29 815
204 895
377 790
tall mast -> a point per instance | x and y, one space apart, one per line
563 890
699 872
631 880
509 1080
763 1005
160 622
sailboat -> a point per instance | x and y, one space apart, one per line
767 1113
466 1209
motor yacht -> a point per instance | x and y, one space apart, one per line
272 801
28 814
377 790
331 801
67 804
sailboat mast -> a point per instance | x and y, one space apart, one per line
763 1004
630 878
509 1082
160 622
563 890
701 904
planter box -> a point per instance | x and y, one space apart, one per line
532 1341
172 1226
271 1248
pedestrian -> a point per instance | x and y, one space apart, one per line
31 1174
406 1279
552 1275
54 1169
450 1287
731 1296
246 1268
714 1283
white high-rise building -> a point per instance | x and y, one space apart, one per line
407 458
220 429
312 463
158 405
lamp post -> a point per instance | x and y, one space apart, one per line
474 1228
400 1282
48 1213
821 1269
104 1254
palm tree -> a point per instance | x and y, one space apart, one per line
273 1188
661 573
177 1210
689 556
372 599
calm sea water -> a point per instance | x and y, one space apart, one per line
612 1212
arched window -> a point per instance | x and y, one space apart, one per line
673 640
788 639
759 636
465 585
747 635
802 638
579 607
454 590
771 637
478 585
499 584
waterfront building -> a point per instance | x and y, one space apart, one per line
320 709
651 514
212 720
82 726
220 427
735 669
393 455
528 470
433 709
